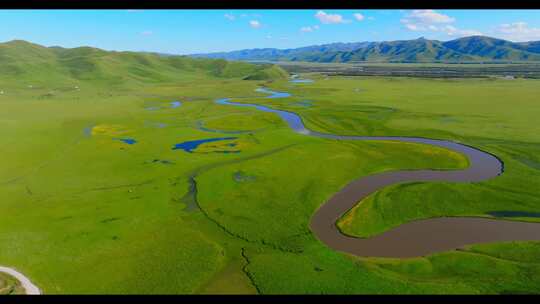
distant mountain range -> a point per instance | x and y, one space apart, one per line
467 49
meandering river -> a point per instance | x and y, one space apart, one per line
415 238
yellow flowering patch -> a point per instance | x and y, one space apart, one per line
435 152
224 146
109 130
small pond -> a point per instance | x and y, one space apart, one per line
301 80
191 145
129 141
273 94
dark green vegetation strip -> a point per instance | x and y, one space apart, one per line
249 275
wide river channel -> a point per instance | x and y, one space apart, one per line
416 238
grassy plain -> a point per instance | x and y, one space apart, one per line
479 112
84 213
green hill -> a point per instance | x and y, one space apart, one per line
418 50
26 61
533 46
467 49
492 48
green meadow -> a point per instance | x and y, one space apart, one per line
84 212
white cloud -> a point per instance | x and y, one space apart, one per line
470 33
422 20
518 31
254 24
134 10
358 16
452 31
230 16
309 29
147 33
429 16
432 21
330 18
412 27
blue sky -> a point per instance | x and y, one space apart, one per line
197 31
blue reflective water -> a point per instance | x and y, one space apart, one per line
191 145
175 104
129 141
301 81
293 120
88 131
273 94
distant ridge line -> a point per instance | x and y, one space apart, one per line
472 49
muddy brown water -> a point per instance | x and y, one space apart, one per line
416 238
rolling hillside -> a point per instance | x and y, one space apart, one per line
495 49
23 60
468 49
